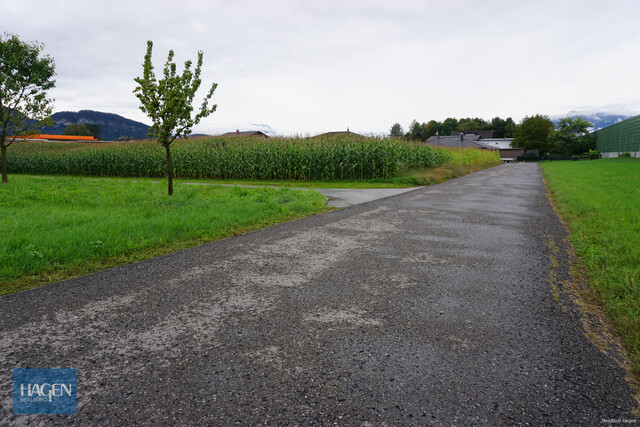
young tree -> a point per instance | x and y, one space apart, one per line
168 101
396 130
25 78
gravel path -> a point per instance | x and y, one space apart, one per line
433 307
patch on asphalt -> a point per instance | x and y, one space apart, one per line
353 316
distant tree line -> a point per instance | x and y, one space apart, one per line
83 129
568 137
502 128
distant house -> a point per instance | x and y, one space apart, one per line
511 154
342 132
504 147
476 140
256 133
499 143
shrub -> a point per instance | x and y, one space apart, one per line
591 155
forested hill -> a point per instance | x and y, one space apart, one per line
112 126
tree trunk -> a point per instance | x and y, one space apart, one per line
4 164
169 169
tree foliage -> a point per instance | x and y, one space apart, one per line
79 129
571 137
421 132
95 130
568 137
25 78
168 101
502 128
449 125
433 128
509 128
418 132
533 133
396 130
470 125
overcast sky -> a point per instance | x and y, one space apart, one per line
304 67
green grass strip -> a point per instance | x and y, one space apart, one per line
55 228
600 200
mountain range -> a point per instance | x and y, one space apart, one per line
598 120
112 126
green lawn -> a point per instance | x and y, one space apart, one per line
55 228
600 200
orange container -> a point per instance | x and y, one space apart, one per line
60 137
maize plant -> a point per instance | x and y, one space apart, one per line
314 159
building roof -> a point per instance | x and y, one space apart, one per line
246 133
501 143
342 132
483 134
469 136
465 141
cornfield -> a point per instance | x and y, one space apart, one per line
330 158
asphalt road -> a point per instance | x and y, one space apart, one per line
433 307
343 198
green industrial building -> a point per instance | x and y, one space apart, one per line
623 137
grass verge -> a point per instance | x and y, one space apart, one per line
54 229
440 174
600 202
410 178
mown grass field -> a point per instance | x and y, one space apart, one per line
63 227
344 158
600 200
